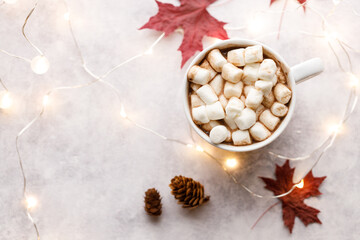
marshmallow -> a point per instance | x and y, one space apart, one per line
264 86
247 90
254 98
269 120
199 75
231 73
259 111
207 94
246 119
241 138
279 109
237 57
268 100
196 101
282 93
267 70
251 72
219 134
210 125
205 64
243 98
233 90
215 111
253 54
234 107
223 100
228 139
280 76
199 115
274 80
259 132
217 84
216 59
195 86
230 122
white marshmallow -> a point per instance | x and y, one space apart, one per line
259 132
231 73
247 90
195 86
215 111
268 100
216 60
228 139
207 94
205 64
253 54
210 125
254 98
264 86
251 73
282 93
217 84
234 107
269 120
230 122
199 75
219 134
279 109
199 115
267 70
243 98
223 101
259 111
241 138
196 101
274 80
237 57
246 119
280 76
233 89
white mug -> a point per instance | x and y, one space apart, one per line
295 75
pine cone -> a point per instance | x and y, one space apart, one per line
188 192
153 202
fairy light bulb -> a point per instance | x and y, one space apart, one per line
200 149
189 145
337 2
256 25
354 81
122 112
46 100
149 51
10 1
300 184
231 162
40 64
335 129
31 202
331 36
6 100
67 16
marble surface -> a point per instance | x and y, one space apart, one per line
89 169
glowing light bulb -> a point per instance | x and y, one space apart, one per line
331 36
354 81
256 25
231 162
40 64
149 51
122 112
337 2
189 145
300 184
6 100
335 129
200 149
31 202
10 1
45 100
67 16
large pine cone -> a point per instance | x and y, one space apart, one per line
153 202
188 192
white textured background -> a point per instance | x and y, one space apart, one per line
89 168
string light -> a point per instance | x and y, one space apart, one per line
335 129
10 1
354 81
330 35
122 112
300 184
31 202
200 149
6 100
46 100
67 16
231 162
40 64
189 145
337 2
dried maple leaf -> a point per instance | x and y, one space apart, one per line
193 18
299 1
293 204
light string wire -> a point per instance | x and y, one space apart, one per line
24 25
97 78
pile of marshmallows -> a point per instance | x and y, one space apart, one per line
239 99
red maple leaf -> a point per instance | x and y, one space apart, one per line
193 18
293 204
299 1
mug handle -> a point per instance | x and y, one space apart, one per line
306 70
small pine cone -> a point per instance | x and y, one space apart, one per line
153 202
188 192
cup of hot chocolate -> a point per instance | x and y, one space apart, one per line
239 94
